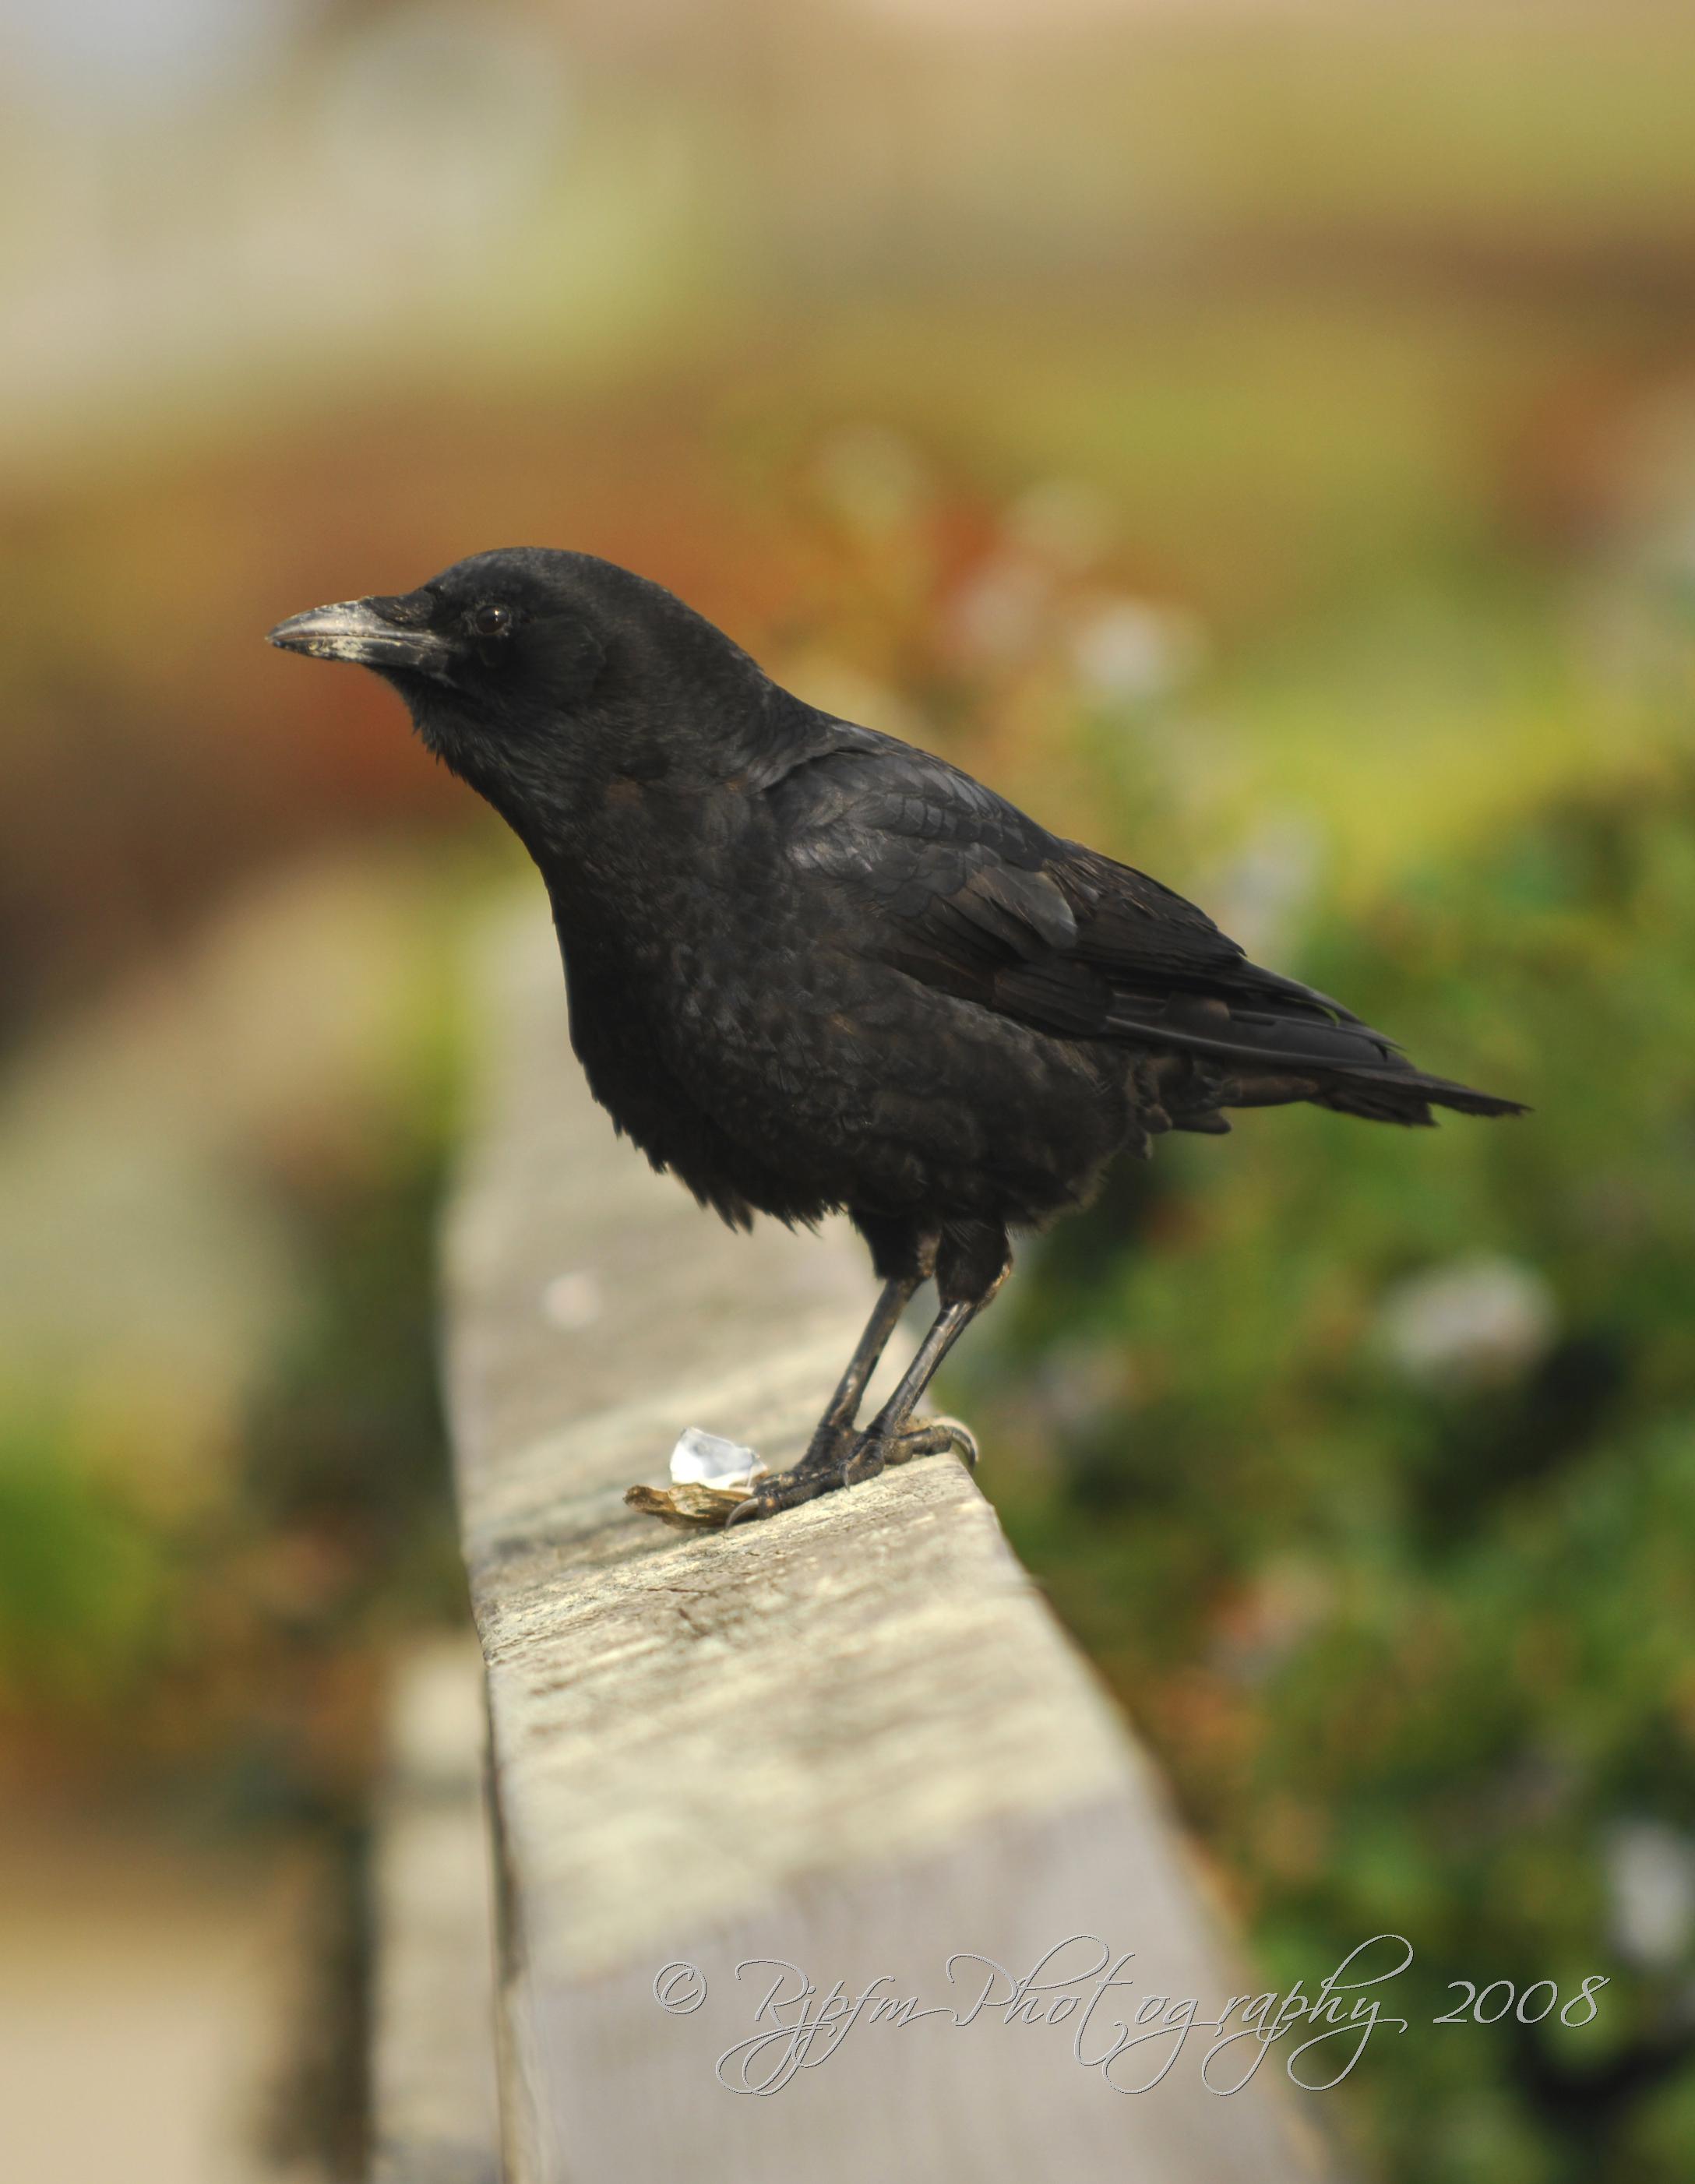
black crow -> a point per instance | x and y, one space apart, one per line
811 968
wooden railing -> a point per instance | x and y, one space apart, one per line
852 1740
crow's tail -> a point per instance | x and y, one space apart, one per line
1407 1096
1280 1045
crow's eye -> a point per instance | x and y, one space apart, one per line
491 619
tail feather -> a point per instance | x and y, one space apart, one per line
1395 1098
1255 1056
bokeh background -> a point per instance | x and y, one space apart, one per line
1258 435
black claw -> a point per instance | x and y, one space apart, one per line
949 1434
787 1490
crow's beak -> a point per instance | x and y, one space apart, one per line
354 630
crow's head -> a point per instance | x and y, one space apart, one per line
536 674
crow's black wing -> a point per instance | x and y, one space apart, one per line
962 891
952 885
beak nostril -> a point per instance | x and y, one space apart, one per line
405 610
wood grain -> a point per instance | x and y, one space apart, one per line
852 1738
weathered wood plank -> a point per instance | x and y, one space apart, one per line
852 1738
435 2114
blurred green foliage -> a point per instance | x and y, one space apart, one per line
86 1582
206 1626
1413 1635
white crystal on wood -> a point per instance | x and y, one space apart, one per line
704 1459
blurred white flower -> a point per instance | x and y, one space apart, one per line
1650 1874
1130 649
1477 1320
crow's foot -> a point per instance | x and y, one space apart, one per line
843 1458
838 1457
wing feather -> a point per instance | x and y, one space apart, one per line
950 883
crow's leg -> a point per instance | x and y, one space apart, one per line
904 1256
893 1300
893 1437
971 1262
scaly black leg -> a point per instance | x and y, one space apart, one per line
887 1439
979 1262
820 1470
893 1300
